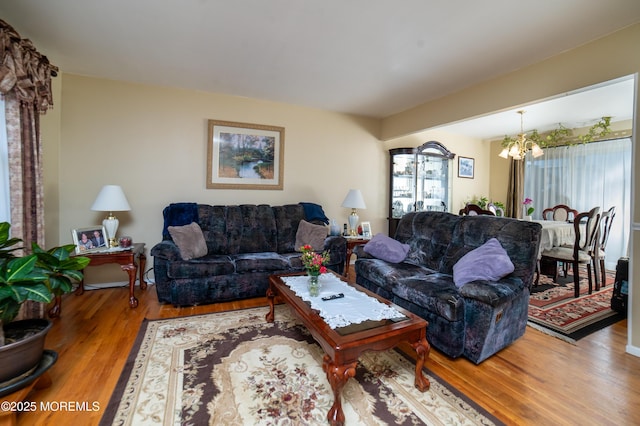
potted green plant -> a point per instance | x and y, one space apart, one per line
39 276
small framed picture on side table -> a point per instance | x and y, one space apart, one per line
366 229
90 239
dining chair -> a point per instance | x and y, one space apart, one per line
498 211
606 219
474 210
560 212
585 241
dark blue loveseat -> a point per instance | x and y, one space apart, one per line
481 317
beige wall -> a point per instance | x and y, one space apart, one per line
606 59
152 141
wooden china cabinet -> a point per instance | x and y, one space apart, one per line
420 180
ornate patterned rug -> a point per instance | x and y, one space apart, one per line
554 309
234 368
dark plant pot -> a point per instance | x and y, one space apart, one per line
26 351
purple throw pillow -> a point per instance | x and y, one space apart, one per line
386 248
488 262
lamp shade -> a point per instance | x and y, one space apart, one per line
111 199
354 200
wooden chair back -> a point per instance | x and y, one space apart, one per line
606 220
474 210
498 211
587 238
560 212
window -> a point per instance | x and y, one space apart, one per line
584 176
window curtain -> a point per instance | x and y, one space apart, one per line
25 84
515 189
584 176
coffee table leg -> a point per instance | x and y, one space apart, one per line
337 376
270 296
422 349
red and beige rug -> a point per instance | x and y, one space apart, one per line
554 309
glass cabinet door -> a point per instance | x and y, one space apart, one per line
403 182
420 180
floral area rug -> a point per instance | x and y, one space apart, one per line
554 309
234 368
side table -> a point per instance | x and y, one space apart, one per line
351 244
129 260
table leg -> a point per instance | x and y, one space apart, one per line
131 269
347 261
337 376
55 310
142 260
270 297
422 349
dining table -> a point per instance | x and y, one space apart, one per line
554 233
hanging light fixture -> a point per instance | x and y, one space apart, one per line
517 147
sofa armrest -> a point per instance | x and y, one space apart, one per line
360 253
337 247
166 250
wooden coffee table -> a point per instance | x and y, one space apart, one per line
343 346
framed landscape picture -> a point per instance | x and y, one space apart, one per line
244 156
465 167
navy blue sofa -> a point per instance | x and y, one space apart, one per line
481 317
245 245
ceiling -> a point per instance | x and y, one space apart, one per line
367 57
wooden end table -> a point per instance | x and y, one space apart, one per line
129 260
351 244
342 347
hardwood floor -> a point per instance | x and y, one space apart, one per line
538 380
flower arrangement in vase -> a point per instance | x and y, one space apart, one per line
528 208
314 263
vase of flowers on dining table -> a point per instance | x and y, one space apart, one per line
528 208
314 263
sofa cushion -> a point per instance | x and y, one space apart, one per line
202 267
488 262
189 240
386 248
257 262
310 234
287 219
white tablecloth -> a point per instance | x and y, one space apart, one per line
555 234
354 308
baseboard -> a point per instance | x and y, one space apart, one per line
115 284
633 350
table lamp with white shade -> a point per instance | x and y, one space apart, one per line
111 199
354 201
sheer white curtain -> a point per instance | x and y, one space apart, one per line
584 176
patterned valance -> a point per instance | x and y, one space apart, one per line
24 70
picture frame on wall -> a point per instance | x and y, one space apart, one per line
244 156
90 239
466 167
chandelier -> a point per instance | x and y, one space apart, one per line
517 147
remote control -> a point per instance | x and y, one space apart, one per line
333 297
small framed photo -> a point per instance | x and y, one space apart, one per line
90 239
366 229
465 167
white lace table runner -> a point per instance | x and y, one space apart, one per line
354 308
